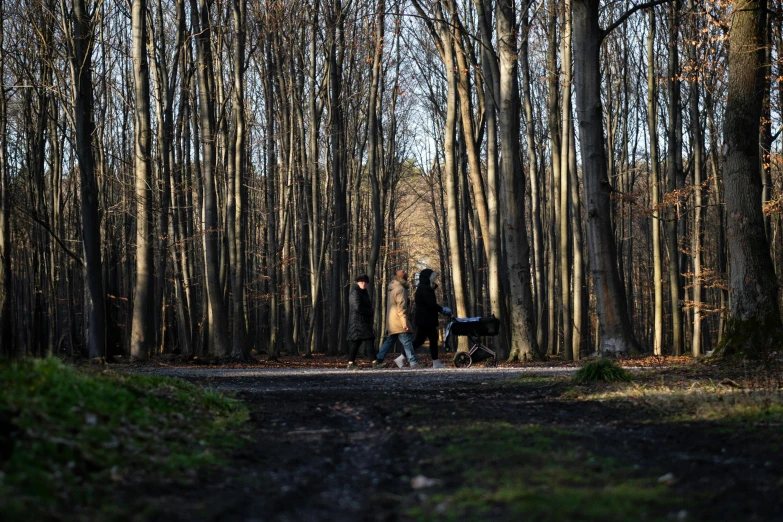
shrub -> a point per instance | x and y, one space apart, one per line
602 370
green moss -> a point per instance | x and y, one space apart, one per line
501 471
753 339
72 434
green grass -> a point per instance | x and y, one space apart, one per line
69 436
602 370
499 471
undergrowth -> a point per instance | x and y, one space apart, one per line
69 436
500 471
602 370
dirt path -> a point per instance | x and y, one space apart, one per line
333 445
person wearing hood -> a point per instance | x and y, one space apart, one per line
359 319
397 323
427 310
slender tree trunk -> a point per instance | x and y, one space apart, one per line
236 205
580 286
81 46
652 124
536 194
698 213
372 146
202 29
674 145
565 262
6 323
553 112
143 326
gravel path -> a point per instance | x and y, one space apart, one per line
326 444
281 380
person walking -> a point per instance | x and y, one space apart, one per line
397 323
359 319
426 316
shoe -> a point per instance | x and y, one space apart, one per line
417 366
378 365
400 361
437 364
353 367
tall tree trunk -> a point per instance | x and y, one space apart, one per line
580 284
143 326
517 250
236 205
652 124
616 336
565 262
553 112
6 323
455 255
338 156
81 46
698 168
673 174
536 194
372 145
202 29
755 324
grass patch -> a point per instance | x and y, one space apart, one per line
535 379
697 402
497 470
604 370
70 436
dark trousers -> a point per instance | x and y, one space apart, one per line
424 333
353 349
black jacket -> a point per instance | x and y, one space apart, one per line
427 307
360 317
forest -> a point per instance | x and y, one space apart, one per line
209 176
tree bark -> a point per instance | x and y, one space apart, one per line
81 46
236 205
202 29
652 124
755 323
6 323
517 250
143 325
616 336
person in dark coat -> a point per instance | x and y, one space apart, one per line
426 316
359 319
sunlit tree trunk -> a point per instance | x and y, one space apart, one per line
143 327
652 125
565 261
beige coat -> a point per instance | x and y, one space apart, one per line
397 308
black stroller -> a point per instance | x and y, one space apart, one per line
476 329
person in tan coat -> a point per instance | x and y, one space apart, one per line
398 324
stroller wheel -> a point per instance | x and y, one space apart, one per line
462 360
492 362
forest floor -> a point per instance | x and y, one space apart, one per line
682 441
